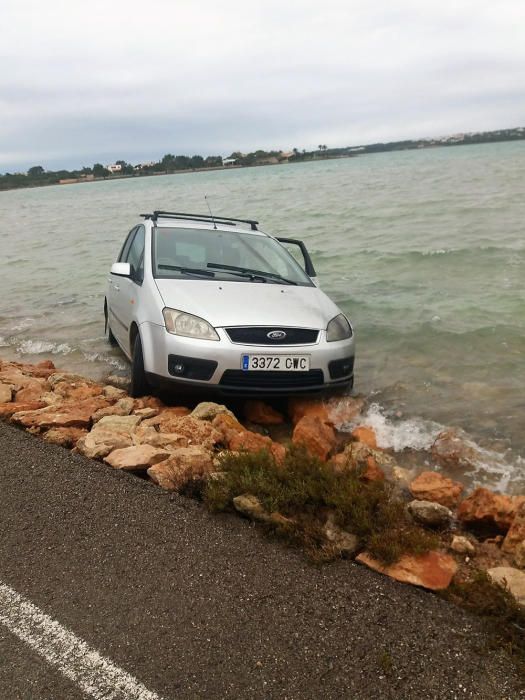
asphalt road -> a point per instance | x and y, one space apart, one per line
195 605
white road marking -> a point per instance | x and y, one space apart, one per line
93 673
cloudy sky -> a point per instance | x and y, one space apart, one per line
96 80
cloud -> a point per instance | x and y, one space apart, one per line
99 81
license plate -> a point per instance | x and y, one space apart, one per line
275 363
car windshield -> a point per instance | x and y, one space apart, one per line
224 255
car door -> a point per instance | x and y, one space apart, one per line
129 287
113 293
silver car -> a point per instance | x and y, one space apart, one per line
209 302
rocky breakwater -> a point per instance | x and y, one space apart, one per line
335 492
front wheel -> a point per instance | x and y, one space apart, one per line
139 384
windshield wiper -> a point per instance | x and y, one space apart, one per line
248 272
188 270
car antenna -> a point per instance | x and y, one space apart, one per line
209 209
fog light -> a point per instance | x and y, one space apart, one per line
178 368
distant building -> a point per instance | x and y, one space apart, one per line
115 168
228 162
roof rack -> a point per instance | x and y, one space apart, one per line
199 217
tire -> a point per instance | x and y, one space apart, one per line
111 338
139 384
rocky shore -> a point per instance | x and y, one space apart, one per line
453 539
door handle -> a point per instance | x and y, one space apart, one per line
116 287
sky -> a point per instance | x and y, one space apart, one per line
85 81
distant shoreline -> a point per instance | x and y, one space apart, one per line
517 134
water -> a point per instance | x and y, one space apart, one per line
423 249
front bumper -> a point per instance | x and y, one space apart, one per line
216 365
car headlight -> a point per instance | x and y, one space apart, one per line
180 323
339 328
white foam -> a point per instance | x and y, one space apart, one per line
397 435
39 347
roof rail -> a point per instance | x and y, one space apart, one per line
199 217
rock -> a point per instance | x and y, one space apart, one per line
9 409
32 392
154 402
251 507
78 391
112 393
249 442
261 413
70 378
430 513
372 471
462 545
344 541
401 475
433 570
227 426
344 409
147 435
77 415
123 407
207 410
119 424
483 507
365 435
317 436
165 415
14 377
198 432
65 437
299 408
136 457
510 578
100 442
6 393
146 412
516 533
432 486
453 448
184 465
359 453
118 382
519 555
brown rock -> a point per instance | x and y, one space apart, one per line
112 393
483 507
65 437
198 432
361 456
365 435
519 555
516 533
8 409
6 393
344 409
77 415
347 543
430 513
12 375
154 402
136 457
251 507
117 381
119 424
208 410
227 426
433 570
146 412
316 435
184 465
372 471
453 448
511 579
300 407
432 486
100 442
147 435
69 378
462 545
249 442
122 407
77 391
261 413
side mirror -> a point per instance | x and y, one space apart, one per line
121 269
308 264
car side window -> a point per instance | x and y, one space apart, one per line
127 243
135 256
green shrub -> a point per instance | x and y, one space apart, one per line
305 489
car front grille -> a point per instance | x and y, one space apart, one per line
258 335
237 379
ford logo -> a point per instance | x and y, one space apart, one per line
276 335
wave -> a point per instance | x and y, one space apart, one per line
40 347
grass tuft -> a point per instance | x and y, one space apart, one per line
305 489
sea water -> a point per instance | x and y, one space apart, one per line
423 249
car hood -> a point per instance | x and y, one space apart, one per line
249 303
